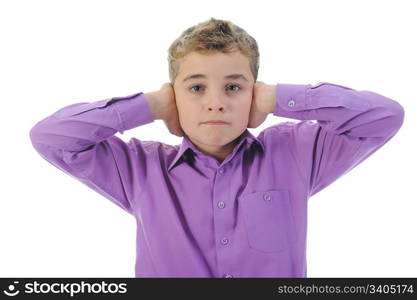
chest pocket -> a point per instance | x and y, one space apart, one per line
268 219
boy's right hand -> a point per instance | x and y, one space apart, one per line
164 107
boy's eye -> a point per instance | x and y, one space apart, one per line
233 85
194 87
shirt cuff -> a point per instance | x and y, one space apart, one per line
133 112
290 98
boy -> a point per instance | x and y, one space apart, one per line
224 203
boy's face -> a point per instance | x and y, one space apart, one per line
212 96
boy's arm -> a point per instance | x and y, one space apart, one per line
351 125
80 140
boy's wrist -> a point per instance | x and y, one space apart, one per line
272 99
153 99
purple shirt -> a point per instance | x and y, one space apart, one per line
197 217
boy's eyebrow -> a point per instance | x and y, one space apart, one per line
231 76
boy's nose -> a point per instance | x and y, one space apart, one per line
212 107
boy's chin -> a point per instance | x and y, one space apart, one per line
223 141
213 141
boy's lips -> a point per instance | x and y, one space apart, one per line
215 122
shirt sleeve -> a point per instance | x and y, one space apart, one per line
340 127
80 140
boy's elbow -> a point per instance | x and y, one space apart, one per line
395 120
399 113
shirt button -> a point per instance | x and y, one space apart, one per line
228 276
267 197
221 171
291 103
220 204
224 241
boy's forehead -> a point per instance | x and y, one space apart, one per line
197 65
197 57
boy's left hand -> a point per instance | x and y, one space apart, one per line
263 103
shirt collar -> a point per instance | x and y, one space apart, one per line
187 144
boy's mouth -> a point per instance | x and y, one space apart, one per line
215 122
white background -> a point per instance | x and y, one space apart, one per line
55 53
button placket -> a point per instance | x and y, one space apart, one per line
222 219
221 204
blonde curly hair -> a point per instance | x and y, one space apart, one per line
210 36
